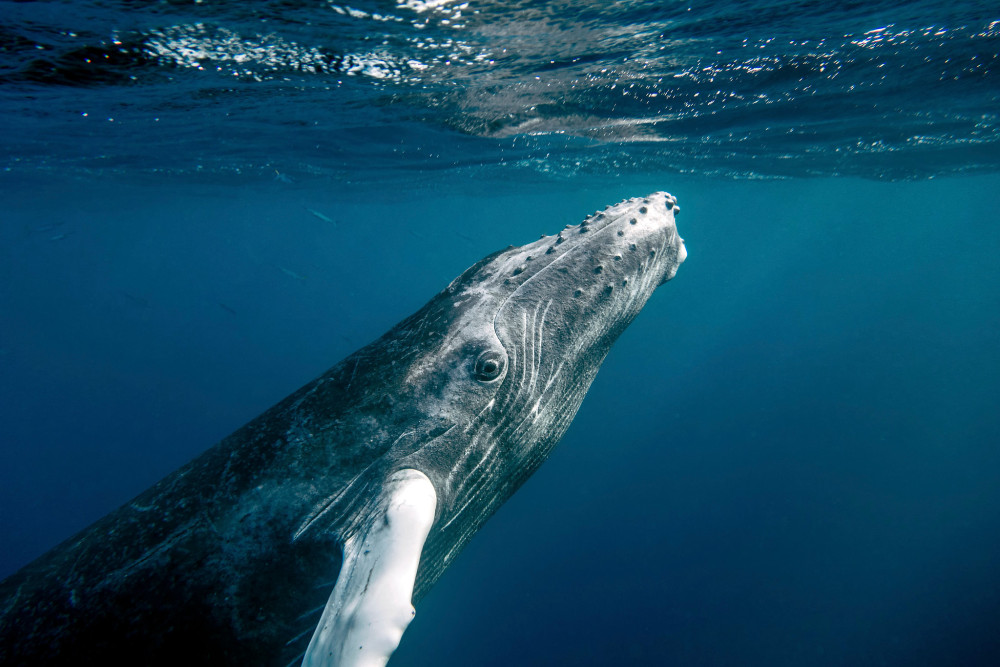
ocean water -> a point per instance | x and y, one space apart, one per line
792 457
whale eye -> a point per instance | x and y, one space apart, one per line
489 366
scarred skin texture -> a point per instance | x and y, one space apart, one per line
230 559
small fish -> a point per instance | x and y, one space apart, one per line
281 178
322 217
290 273
139 301
52 229
226 308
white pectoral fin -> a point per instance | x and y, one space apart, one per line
371 605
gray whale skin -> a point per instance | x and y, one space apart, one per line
231 560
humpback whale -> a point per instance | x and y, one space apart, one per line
306 536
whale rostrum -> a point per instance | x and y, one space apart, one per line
306 536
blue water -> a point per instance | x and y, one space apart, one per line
792 457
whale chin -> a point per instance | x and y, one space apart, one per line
682 254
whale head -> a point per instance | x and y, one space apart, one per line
512 345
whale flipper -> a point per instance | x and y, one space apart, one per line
370 606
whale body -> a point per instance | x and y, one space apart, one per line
304 536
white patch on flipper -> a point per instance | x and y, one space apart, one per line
370 605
